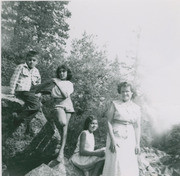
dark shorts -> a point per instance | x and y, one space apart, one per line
32 102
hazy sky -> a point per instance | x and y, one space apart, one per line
116 22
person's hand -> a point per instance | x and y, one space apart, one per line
54 80
38 95
113 146
11 94
137 150
103 149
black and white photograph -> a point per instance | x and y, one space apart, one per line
90 88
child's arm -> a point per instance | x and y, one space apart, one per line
84 152
14 79
44 88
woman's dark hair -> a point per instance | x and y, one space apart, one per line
88 121
69 74
126 84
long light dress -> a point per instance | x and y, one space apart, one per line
124 162
85 162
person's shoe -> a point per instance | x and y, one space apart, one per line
60 158
53 163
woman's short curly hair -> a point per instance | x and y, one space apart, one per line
87 122
126 84
65 67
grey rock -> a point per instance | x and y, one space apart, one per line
23 151
42 170
151 163
65 168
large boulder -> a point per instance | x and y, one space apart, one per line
42 170
65 168
153 162
23 151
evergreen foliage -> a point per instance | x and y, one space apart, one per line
39 25
169 141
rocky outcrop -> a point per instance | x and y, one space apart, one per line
23 151
42 170
62 169
153 162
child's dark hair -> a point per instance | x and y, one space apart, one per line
31 54
69 74
88 121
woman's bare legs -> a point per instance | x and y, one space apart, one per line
64 137
63 120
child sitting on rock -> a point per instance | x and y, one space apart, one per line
25 76
85 157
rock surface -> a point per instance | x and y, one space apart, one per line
62 169
21 151
42 170
153 162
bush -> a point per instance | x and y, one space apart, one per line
169 141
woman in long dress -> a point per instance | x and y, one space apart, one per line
123 139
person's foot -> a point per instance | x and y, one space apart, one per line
53 163
60 158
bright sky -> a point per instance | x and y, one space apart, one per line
115 22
